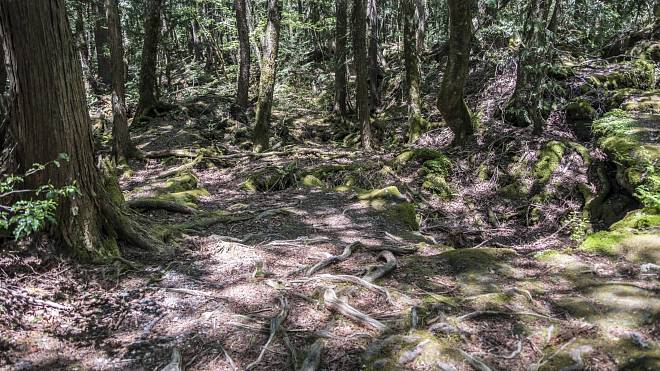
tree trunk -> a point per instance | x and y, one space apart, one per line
360 60
411 58
374 66
421 17
341 94
148 101
243 88
267 77
451 102
524 107
49 116
122 146
102 46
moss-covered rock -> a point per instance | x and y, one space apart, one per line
638 74
437 185
475 259
404 213
645 102
549 158
312 181
270 179
390 193
180 183
188 198
417 154
580 114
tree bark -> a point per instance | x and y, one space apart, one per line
267 77
123 147
103 67
360 60
421 17
411 58
524 107
148 100
374 66
451 102
341 93
49 116
243 88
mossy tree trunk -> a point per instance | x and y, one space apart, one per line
341 93
123 147
48 116
451 102
525 106
411 57
360 60
267 77
101 41
374 66
243 84
148 99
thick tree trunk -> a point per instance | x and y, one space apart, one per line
451 102
267 77
123 148
524 107
416 123
360 60
103 67
148 100
374 66
341 93
49 116
243 88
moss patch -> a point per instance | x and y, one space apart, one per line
271 179
390 193
180 183
404 213
549 159
392 352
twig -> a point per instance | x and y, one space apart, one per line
275 327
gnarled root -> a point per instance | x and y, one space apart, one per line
382 270
313 359
156 204
333 259
332 301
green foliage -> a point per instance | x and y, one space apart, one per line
28 216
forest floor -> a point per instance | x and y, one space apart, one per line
476 283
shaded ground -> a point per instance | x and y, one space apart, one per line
495 278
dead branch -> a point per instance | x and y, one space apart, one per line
333 302
475 362
333 259
356 280
156 204
175 362
410 355
313 359
275 327
384 269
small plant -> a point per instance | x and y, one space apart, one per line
578 225
27 216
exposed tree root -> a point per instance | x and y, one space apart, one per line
275 327
175 362
127 229
397 250
332 301
382 270
190 165
156 204
212 219
333 259
410 355
475 362
356 280
313 359
484 312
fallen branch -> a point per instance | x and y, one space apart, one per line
410 355
333 259
156 204
313 359
175 362
382 270
475 362
483 312
275 327
333 302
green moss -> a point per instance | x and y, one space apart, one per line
271 178
180 183
549 159
645 102
189 198
421 154
439 166
389 353
603 242
405 213
638 220
515 190
437 185
312 181
388 193
580 110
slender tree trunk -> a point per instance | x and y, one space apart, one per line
360 60
451 102
267 77
341 93
524 107
416 123
102 46
421 16
123 148
83 48
148 80
374 66
243 88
